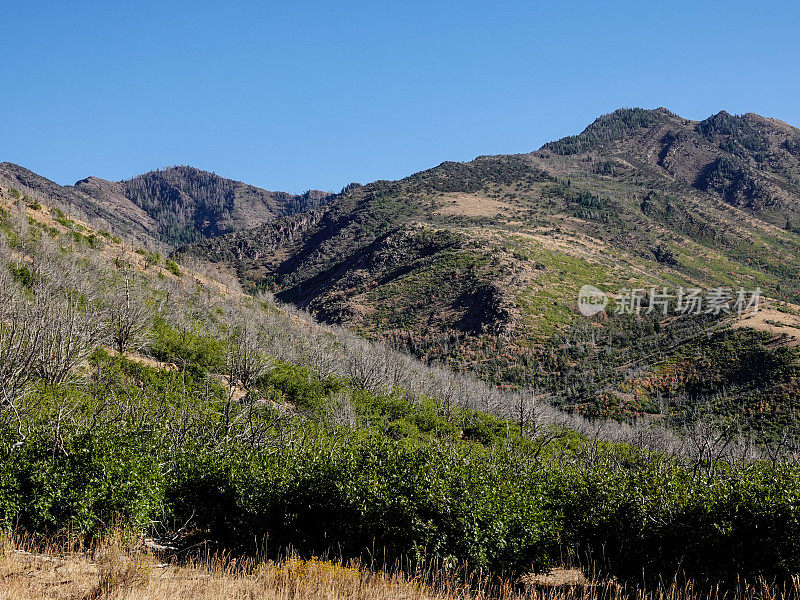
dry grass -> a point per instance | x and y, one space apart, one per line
111 571
775 322
472 205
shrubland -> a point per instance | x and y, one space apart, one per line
173 407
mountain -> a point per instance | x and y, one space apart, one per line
639 191
173 206
106 206
479 264
142 392
749 161
189 204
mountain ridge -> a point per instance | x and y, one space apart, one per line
170 206
477 265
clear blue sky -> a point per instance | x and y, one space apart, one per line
292 95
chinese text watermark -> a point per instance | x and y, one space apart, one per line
664 301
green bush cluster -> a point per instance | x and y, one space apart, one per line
192 350
362 491
173 268
150 257
410 477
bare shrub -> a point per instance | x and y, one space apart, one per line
127 316
245 360
340 411
71 331
21 339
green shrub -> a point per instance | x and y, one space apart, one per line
24 276
109 236
404 498
94 242
87 482
173 268
186 348
150 257
412 478
299 385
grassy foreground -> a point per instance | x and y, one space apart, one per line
113 570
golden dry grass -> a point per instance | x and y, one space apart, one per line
472 205
773 321
111 573
108 571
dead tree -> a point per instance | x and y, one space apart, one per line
72 330
127 315
245 362
21 337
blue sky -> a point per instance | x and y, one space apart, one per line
291 96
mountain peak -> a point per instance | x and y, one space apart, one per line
91 180
610 127
191 204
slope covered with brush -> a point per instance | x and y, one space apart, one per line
478 265
142 396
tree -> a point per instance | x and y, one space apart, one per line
21 338
245 361
72 332
127 316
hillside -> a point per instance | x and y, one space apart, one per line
141 399
478 265
111 210
189 204
170 207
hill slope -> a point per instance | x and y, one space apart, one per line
172 206
189 204
106 206
479 264
221 422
